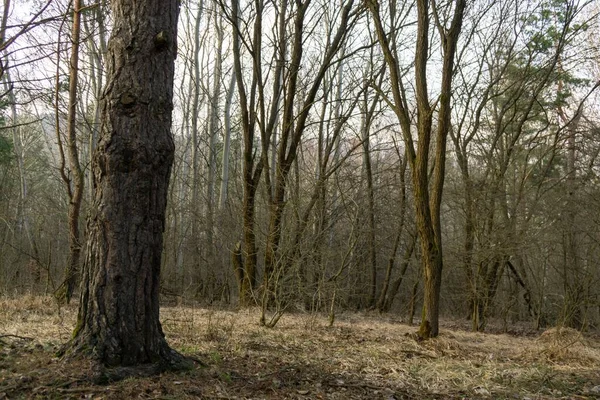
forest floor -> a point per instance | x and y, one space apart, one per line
362 356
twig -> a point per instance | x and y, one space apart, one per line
81 390
16 336
65 385
358 385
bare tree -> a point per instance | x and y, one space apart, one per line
9 36
75 182
293 126
427 191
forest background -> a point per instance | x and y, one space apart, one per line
293 185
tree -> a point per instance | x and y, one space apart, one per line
293 127
74 183
427 190
118 318
195 113
507 112
252 170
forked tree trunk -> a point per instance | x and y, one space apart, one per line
118 317
427 191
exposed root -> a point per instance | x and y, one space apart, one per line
104 372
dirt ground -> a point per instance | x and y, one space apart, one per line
363 356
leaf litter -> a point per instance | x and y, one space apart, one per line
363 356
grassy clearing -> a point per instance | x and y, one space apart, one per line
360 357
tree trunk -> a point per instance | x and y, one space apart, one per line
226 144
573 310
384 302
213 132
368 174
96 47
195 208
118 320
76 192
251 175
293 127
395 286
22 222
412 306
427 192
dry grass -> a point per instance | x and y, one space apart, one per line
360 357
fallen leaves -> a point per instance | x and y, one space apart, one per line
361 356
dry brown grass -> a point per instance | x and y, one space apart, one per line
360 357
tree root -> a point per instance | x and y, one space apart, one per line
107 374
103 373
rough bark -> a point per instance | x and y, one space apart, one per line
118 320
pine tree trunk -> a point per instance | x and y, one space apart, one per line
118 319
